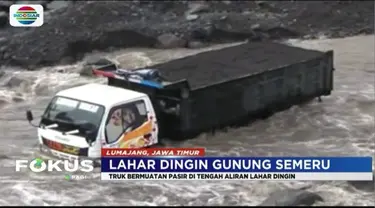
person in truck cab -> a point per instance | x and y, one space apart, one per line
128 117
132 118
123 120
114 126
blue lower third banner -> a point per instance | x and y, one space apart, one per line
237 168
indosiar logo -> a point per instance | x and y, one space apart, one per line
22 15
39 165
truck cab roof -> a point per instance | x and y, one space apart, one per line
100 94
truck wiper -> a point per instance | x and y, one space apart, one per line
52 126
76 131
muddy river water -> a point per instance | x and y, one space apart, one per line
343 124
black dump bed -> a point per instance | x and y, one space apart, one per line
228 86
225 64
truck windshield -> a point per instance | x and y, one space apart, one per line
72 114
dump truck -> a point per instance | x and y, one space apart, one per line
181 98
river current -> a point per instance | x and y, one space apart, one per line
343 124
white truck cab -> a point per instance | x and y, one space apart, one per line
79 121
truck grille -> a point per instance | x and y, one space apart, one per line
65 148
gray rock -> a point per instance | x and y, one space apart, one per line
365 30
3 19
203 33
263 4
255 26
2 73
56 5
16 82
191 17
197 7
224 17
291 197
275 31
246 12
169 40
282 32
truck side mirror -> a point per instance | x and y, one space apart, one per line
29 115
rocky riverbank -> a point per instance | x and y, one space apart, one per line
73 28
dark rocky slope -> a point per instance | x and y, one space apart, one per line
72 29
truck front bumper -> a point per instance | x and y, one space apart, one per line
50 154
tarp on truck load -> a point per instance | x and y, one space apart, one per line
225 64
229 86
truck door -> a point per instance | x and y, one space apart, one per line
132 125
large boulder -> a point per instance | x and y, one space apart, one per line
197 7
17 82
55 5
169 40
